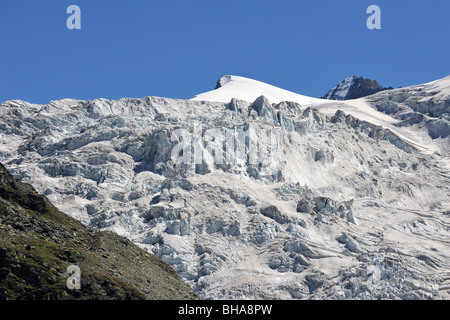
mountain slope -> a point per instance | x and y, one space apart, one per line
353 88
38 243
330 200
423 107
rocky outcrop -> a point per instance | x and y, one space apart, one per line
353 88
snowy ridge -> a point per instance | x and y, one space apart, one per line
345 208
248 90
230 86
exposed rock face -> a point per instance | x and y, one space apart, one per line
245 200
222 81
38 243
353 88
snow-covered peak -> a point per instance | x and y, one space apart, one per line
246 89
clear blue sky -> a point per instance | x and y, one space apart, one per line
179 48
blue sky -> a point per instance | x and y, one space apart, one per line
179 48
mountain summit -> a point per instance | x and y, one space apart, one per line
249 90
353 88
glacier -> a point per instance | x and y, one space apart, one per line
349 200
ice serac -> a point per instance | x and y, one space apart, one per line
423 110
343 200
